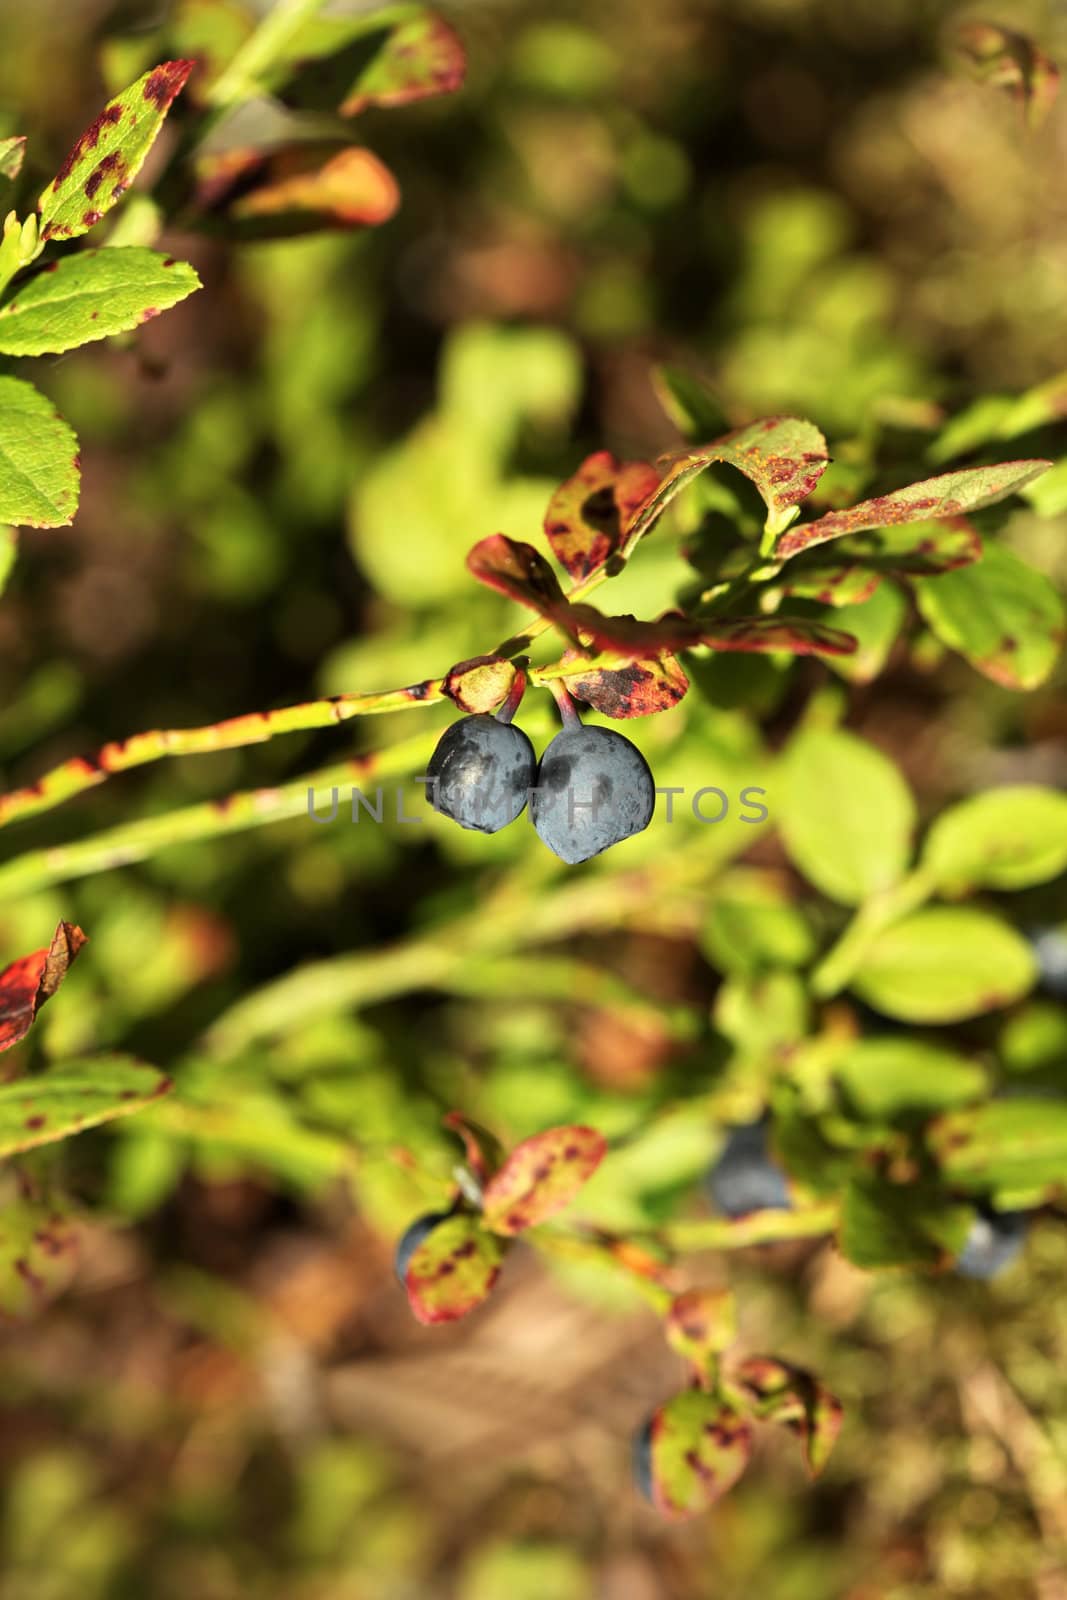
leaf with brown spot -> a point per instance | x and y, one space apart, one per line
384 58
1012 62
620 685
843 585
1016 1144
485 1153
516 569
91 295
27 983
701 1324
480 684
75 1095
789 1395
1004 617
673 631
587 515
39 1242
453 1270
783 456
947 495
700 1446
915 550
541 1176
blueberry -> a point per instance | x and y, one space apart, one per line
995 1240
594 788
412 1237
481 773
641 1461
745 1177
1050 947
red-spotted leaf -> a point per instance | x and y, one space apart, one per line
587 515
91 295
701 1324
1002 615
27 983
298 189
38 1253
620 685
947 495
1012 62
485 1153
793 1397
516 569
480 684
783 456
916 550
1018 1144
384 58
799 636
79 1094
453 1270
39 462
673 631
541 1176
699 1447
830 585
110 153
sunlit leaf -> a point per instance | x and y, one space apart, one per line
1007 838
110 153
480 684
788 1395
1010 61
1005 1144
27 983
620 685
701 1324
1005 618
700 1446
78 1094
945 964
299 189
89 296
883 1078
541 1176
453 1270
945 496
40 469
588 515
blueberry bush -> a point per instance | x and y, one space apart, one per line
603 550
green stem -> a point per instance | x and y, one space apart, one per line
241 78
761 1227
841 962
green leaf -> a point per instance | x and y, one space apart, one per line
588 514
788 1395
945 496
1007 619
39 464
390 57
752 926
837 585
1005 838
875 626
919 549
27 983
453 1270
110 153
897 1076
900 1225
38 1253
945 964
1017 1145
89 296
700 1447
846 815
541 1176
76 1095
783 456
8 551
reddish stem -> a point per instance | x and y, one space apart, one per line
515 694
567 708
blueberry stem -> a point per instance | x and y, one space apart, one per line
567 708
515 693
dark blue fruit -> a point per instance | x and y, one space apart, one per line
481 773
594 788
995 1239
746 1177
1050 947
412 1237
641 1461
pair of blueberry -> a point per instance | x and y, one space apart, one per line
591 789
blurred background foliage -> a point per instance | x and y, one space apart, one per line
799 202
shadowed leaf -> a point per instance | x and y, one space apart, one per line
388 57
1012 62
620 685
485 1153
299 189
789 1395
900 1225
830 585
38 1254
79 1094
541 1176
673 631
27 983
480 684
1005 618
875 625
701 1324
587 515
89 296
783 456
453 1270
39 464
947 495
110 153
1004 1144
700 1447
919 550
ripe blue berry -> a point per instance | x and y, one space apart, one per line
412 1237
1050 947
745 1177
641 1461
481 773
594 788
995 1240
